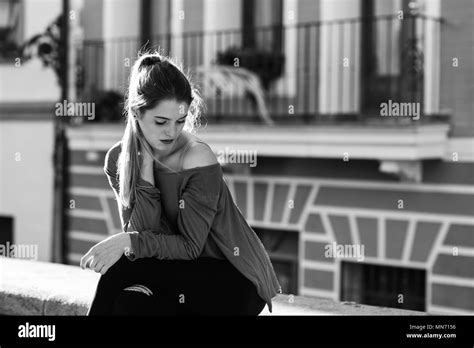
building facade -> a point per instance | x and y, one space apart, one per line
351 205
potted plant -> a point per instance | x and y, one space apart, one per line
46 47
267 65
108 106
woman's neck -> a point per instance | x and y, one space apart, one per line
168 157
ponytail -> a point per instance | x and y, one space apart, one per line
153 78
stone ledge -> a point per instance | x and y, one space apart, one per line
41 288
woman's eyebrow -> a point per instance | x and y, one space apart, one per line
166 118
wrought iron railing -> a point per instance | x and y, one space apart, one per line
333 70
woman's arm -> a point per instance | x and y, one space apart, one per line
194 223
200 198
146 172
146 213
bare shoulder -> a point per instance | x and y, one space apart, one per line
198 154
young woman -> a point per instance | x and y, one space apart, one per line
185 246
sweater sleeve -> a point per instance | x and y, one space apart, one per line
198 207
146 211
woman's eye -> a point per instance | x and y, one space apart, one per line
162 123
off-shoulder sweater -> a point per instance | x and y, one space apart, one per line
189 214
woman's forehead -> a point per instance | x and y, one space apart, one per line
168 108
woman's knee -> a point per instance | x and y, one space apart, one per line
134 302
139 299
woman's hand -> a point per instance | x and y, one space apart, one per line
106 253
146 161
145 152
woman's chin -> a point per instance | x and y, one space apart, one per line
161 149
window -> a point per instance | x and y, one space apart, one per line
282 248
6 230
262 24
10 28
392 53
384 286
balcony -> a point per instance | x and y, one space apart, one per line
333 71
335 77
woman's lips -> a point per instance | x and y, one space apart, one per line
167 141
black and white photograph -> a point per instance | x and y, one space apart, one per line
237 162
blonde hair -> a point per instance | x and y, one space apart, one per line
154 77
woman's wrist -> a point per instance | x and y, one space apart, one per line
129 251
146 172
126 243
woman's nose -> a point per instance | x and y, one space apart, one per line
171 131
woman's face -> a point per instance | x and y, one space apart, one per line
163 124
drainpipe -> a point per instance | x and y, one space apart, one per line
60 146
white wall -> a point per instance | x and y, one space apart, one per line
26 186
31 81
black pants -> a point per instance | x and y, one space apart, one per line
205 286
